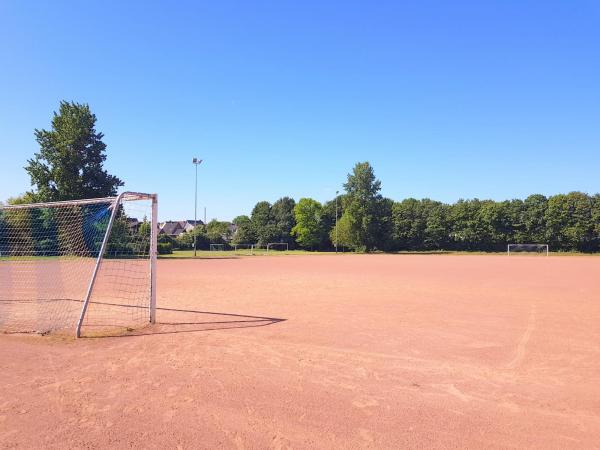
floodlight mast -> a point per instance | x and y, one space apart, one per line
196 163
336 220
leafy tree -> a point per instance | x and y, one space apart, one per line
328 217
408 224
218 232
534 219
595 222
344 232
145 228
419 224
244 234
437 233
569 220
308 230
185 240
363 206
383 224
494 225
21 199
465 224
263 223
282 213
69 164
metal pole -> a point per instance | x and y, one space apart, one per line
88 294
153 253
196 162
336 220
195 206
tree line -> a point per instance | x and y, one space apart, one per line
367 221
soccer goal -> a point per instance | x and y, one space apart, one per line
527 248
78 265
281 246
217 247
244 247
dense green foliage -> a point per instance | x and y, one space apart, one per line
282 213
366 221
273 223
366 211
69 164
569 222
308 230
244 233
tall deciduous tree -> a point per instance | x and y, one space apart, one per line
218 232
308 230
343 232
69 164
366 209
263 223
282 213
244 234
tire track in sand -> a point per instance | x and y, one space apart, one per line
522 345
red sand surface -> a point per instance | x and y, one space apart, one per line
347 351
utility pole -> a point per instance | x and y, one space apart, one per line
196 163
336 221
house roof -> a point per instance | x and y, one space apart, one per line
175 228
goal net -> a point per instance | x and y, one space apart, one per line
78 265
527 248
243 248
217 247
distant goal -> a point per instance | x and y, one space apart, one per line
217 247
281 246
541 249
78 265
244 248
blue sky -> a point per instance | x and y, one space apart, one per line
447 100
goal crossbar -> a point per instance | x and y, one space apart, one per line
125 196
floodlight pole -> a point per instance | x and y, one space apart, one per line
336 220
196 163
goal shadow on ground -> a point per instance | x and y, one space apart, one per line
239 256
175 321
192 318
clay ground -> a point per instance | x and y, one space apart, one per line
347 351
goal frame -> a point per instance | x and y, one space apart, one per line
244 246
545 248
217 247
115 202
272 244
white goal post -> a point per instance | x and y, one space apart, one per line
531 248
239 247
217 247
284 246
81 264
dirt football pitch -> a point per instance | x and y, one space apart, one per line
346 351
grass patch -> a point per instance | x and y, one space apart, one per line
238 253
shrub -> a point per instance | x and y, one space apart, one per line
165 248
